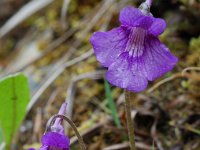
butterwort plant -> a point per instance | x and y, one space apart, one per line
133 53
54 137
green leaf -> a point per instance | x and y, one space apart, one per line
190 128
14 97
111 104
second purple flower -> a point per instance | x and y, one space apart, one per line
132 52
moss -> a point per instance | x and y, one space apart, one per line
6 47
194 56
195 45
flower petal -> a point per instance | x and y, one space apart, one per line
133 17
56 140
158 26
127 73
157 58
109 45
144 22
129 15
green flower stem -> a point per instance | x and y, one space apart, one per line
130 124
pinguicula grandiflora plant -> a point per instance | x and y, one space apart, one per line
133 53
54 137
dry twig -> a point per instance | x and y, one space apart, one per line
54 75
64 13
71 89
26 11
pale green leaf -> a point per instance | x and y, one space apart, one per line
14 97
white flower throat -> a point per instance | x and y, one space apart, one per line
135 44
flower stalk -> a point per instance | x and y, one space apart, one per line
129 120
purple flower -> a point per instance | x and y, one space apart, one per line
56 139
132 52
